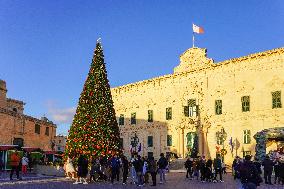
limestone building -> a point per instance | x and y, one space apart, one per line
60 143
20 129
204 107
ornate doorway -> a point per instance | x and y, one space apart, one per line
192 144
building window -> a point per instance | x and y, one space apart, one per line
15 110
247 138
59 141
37 128
169 113
121 119
18 141
245 104
133 118
192 108
276 99
150 141
169 140
186 111
218 107
121 143
58 149
150 115
47 131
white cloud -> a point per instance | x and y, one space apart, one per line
60 115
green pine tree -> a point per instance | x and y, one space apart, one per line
94 131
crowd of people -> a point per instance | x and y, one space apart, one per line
205 170
102 169
248 173
17 164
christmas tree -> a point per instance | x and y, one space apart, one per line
94 130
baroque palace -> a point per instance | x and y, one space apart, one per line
205 108
20 129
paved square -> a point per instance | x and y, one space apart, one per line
174 181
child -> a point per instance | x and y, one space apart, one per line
25 162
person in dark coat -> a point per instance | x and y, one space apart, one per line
208 170
277 171
257 165
153 169
115 166
249 174
138 166
202 162
281 170
218 168
268 168
125 167
82 170
188 166
162 164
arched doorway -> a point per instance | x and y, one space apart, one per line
18 141
272 135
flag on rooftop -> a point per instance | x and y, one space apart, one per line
197 29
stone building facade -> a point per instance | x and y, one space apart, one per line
204 106
20 129
60 143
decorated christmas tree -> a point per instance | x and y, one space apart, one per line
94 130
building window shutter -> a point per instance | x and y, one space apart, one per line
133 118
218 107
276 99
121 119
169 140
150 115
150 141
245 103
168 113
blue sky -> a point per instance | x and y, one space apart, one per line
46 46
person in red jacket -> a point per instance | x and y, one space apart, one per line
14 163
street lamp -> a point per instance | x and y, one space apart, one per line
134 141
222 136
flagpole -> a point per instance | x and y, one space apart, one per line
193 39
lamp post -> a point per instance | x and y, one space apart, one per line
134 141
222 136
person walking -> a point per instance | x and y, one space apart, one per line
202 165
188 166
115 166
268 168
217 164
69 169
138 165
132 169
82 170
25 163
14 163
153 169
162 164
125 167
249 176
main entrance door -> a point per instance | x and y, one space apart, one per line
192 144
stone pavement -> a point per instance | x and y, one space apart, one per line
174 181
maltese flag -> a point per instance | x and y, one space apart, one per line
197 29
